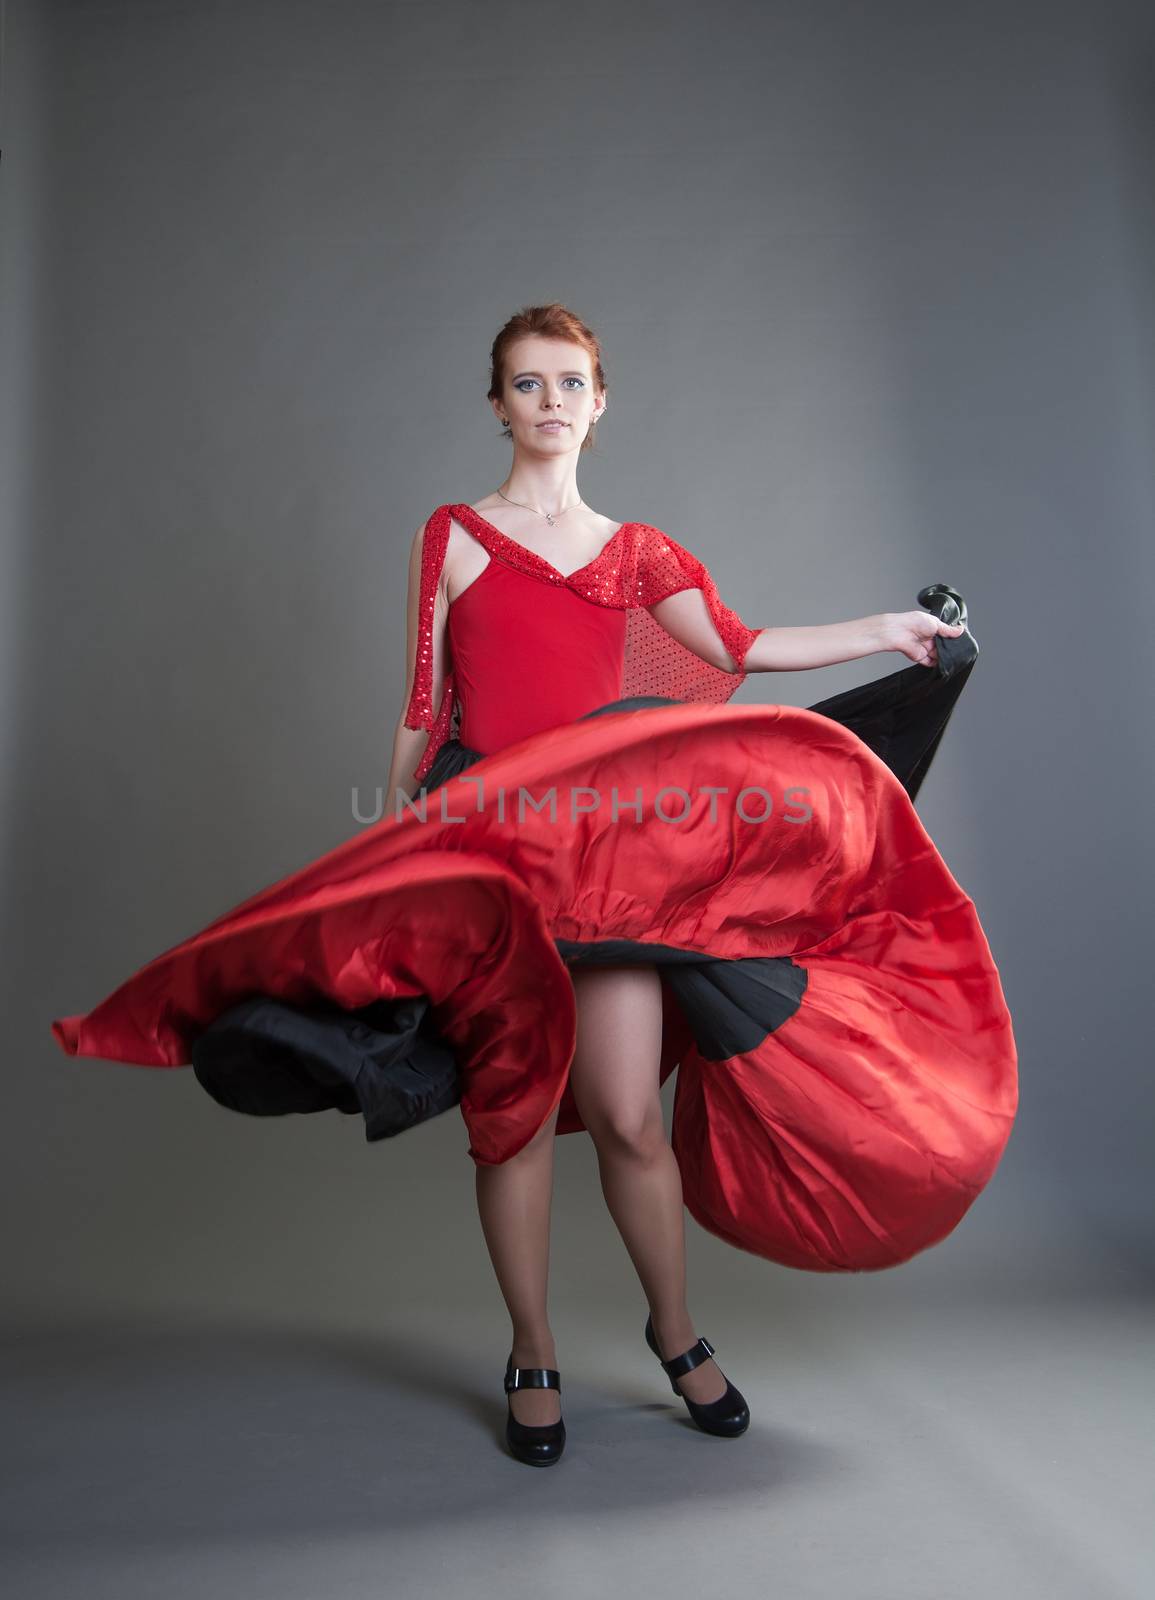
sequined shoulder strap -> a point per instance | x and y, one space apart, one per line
420 713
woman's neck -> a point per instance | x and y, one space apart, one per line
542 485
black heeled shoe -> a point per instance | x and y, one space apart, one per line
729 1415
536 1446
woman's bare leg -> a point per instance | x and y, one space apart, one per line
513 1201
614 1077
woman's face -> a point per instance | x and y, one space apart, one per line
548 380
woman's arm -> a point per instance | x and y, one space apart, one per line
827 643
686 617
408 748
409 743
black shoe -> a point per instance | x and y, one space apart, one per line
541 1446
729 1415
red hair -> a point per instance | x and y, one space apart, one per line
553 321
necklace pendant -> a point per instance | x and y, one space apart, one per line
549 519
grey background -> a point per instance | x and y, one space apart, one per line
874 285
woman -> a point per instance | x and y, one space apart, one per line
549 975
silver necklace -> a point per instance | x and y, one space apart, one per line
549 516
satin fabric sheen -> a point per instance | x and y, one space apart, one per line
854 1135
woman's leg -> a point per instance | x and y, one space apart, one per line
513 1201
614 1077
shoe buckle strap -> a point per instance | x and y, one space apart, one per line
532 1378
701 1350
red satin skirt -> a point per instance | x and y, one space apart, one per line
847 1073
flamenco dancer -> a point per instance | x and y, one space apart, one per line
784 932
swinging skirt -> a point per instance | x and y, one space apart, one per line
847 1073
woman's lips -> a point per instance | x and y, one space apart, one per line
552 427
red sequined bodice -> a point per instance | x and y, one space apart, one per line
529 659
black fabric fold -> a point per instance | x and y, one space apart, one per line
903 716
385 1061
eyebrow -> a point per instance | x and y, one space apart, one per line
573 373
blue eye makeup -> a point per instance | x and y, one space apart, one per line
579 381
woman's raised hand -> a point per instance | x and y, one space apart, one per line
914 633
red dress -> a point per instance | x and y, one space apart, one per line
528 656
847 1073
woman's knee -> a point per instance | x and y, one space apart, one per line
614 1075
628 1131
